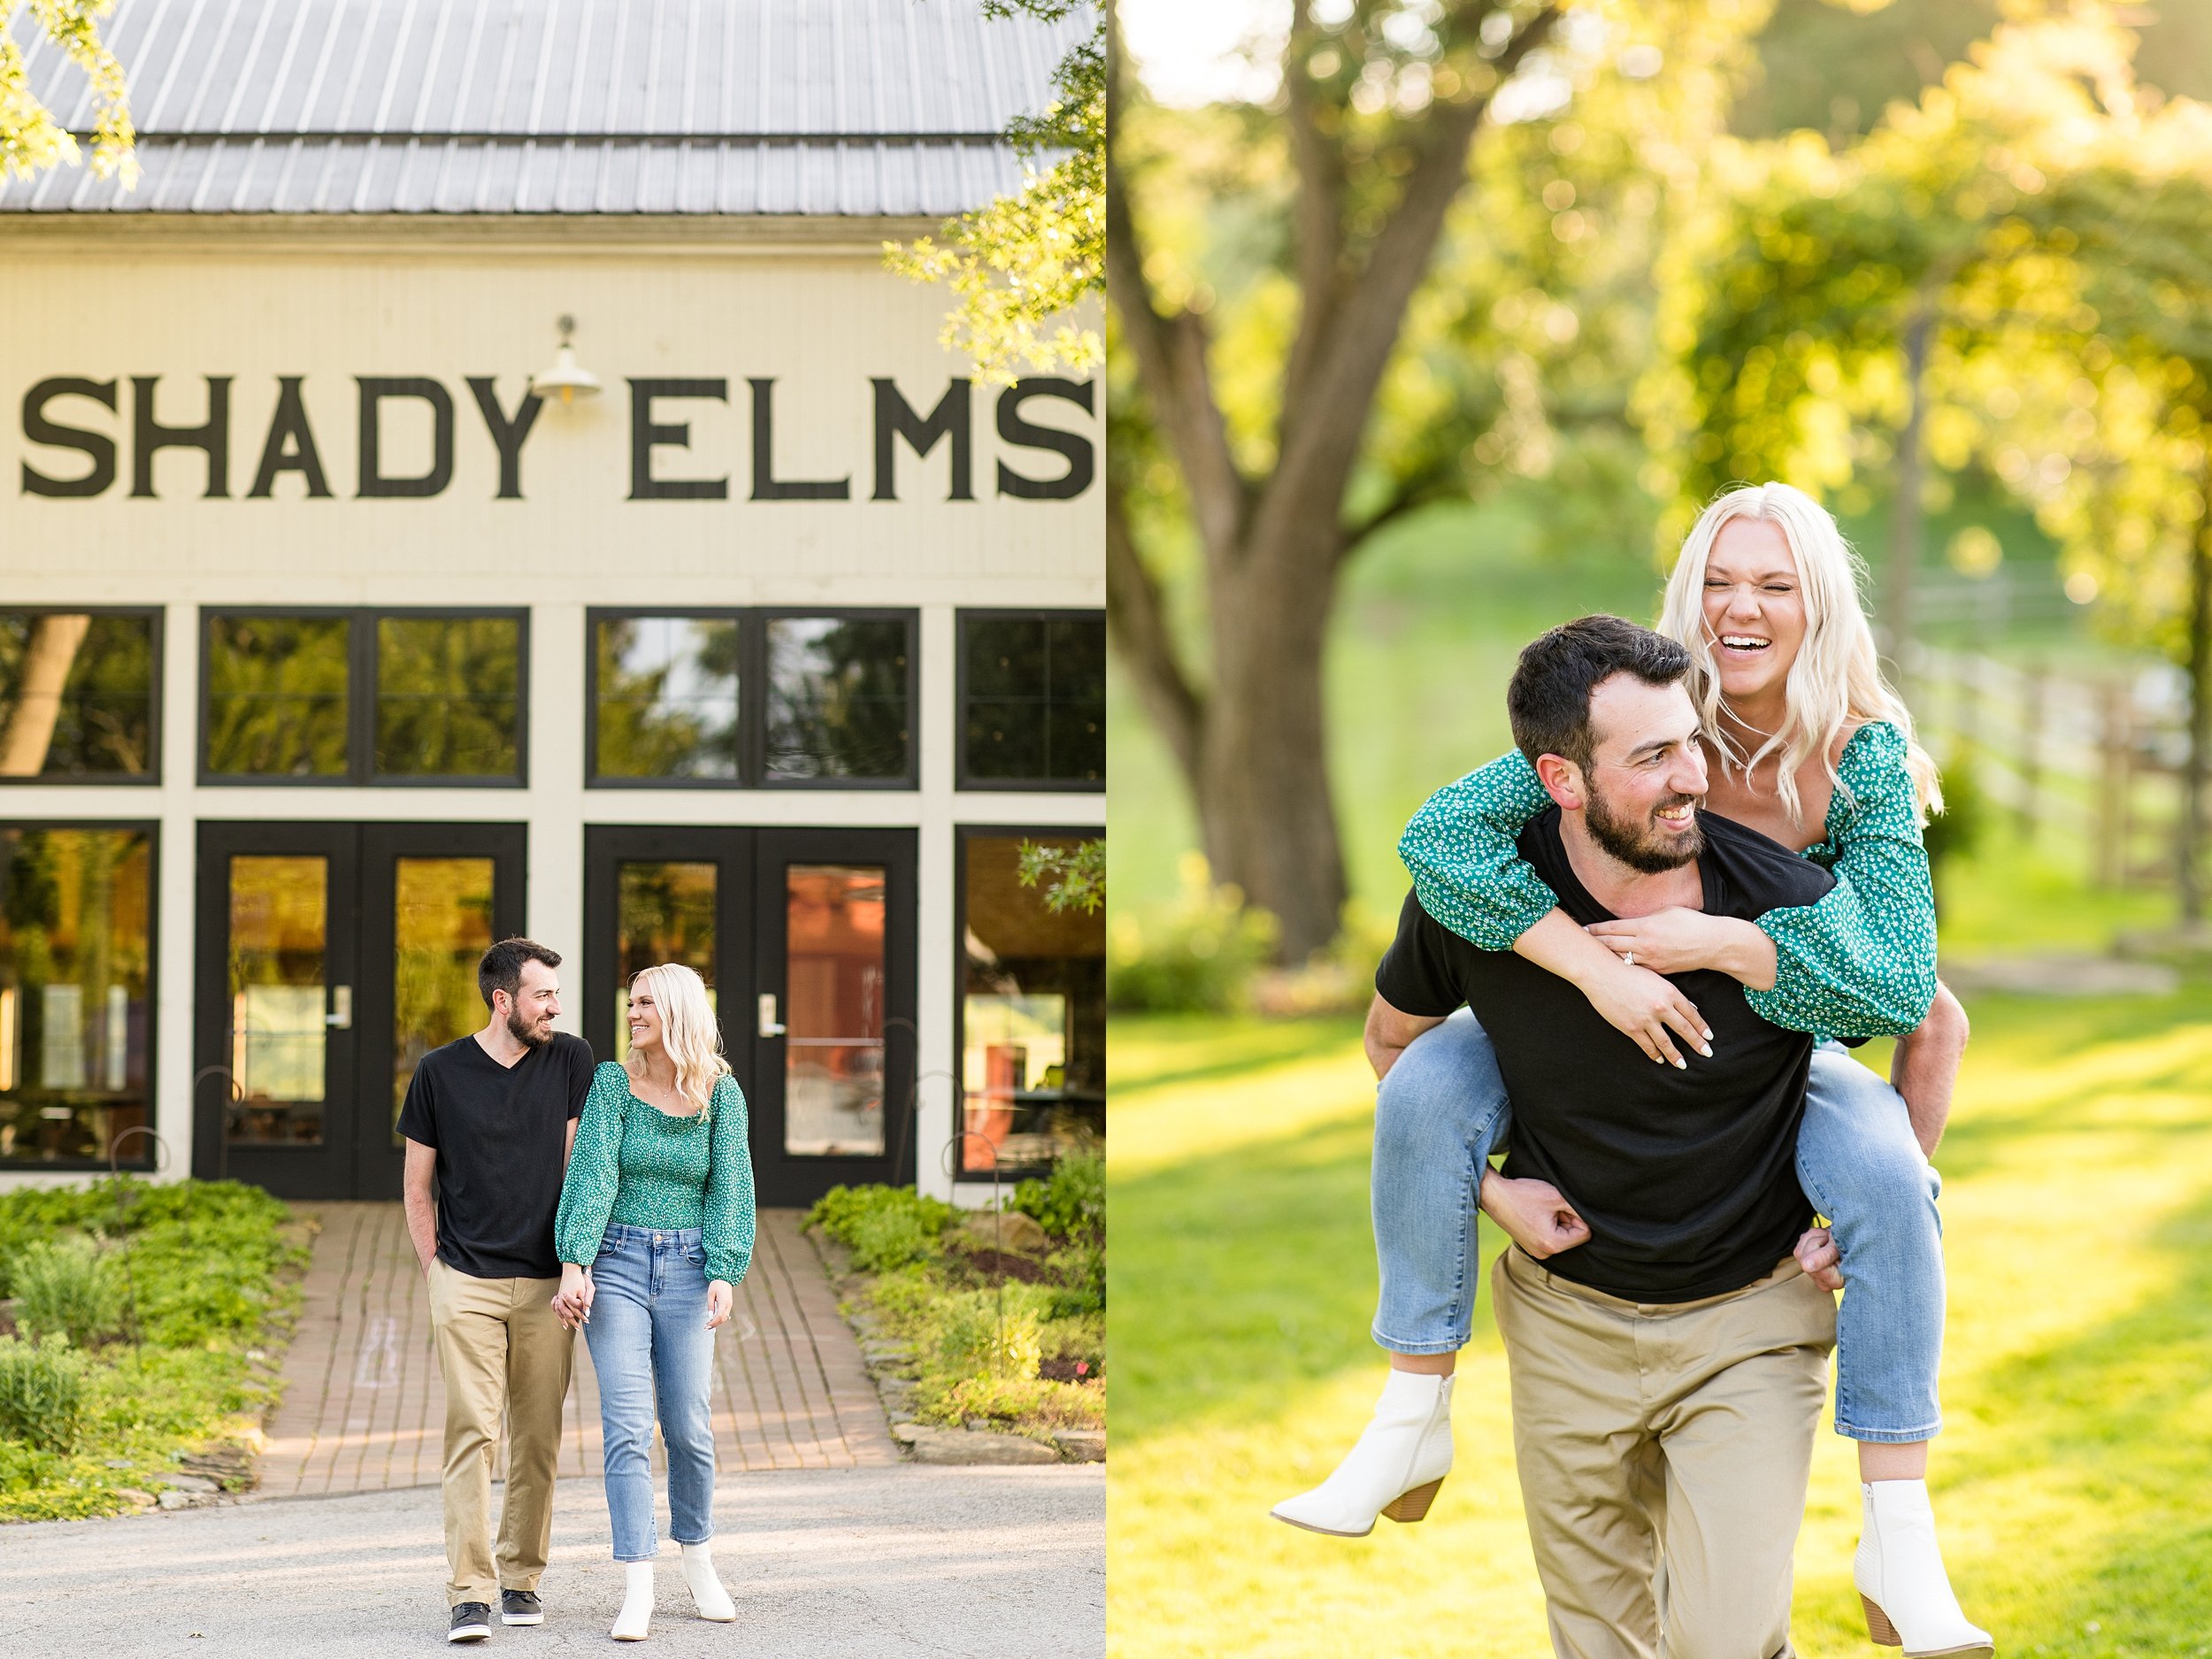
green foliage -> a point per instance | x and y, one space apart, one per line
1073 877
68 1287
1080 1271
885 1227
1022 265
1198 954
43 1391
1070 1200
974 1335
1962 824
30 138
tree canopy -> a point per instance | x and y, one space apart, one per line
31 139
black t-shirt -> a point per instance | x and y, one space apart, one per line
501 1136
1687 1178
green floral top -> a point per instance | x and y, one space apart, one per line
1860 963
636 1165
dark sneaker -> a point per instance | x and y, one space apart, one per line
471 1622
520 1607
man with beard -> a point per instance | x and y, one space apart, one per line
492 1118
1667 1354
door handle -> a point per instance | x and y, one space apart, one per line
340 1015
769 1025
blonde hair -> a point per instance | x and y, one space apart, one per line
1836 679
688 1031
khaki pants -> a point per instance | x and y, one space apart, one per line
1664 1451
503 1350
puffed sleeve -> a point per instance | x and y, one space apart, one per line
595 1168
1460 850
726 1221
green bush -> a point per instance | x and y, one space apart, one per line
1072 1200
1197 956
42 1390
885 1227
1080 1271
68 1287
999 1334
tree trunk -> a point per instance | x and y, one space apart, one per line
2190 854
1905 510
47 659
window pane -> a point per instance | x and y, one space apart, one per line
1032 1060
665 913
73 976
1036 699
76 696
833 1082
667 692
837 698
442 926
448 702
279 921
276 697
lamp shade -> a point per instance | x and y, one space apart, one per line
565 376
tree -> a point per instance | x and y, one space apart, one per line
30 139
1023 265
1427 262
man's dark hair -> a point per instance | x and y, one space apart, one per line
501 969
1549 701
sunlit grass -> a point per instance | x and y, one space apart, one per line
2077 1377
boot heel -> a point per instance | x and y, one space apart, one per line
1878 1627
1414 1505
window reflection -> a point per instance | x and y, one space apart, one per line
276 697
836 698
442 926
833 1013
667 698
74 915
447 703
665 913
76 696
279 932
1032 1060
1036 709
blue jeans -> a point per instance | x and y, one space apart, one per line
1442 1112
650 1345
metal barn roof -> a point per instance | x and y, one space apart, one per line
831 107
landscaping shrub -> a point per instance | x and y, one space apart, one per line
974 1335
885 1227
70 1287
1080 1271
1072 1200
42 1390
1197 956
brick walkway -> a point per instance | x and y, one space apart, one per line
363 1406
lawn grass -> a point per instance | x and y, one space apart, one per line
2077 1377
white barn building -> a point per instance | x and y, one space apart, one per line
330 652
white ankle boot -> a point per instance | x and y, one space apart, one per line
636 1620
1394 1469
1900 1577
707 1593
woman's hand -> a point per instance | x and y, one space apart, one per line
720 1296
572 1304
1635 1000
1678 940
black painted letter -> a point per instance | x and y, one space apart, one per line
374 392
895 418
508 435
149 436
766 485
38 429
290 446
644 435
1081 462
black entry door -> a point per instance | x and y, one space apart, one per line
332 957
806 939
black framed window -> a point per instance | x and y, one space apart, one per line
1032 700
79 694
724 699
331 696
76 992
1031 1037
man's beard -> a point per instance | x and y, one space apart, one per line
529 1033
1640 846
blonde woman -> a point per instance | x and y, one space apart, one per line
655 1230
1806 744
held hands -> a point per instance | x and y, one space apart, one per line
1817 1253
1673 941
720 1295
572 1304
1533 1215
